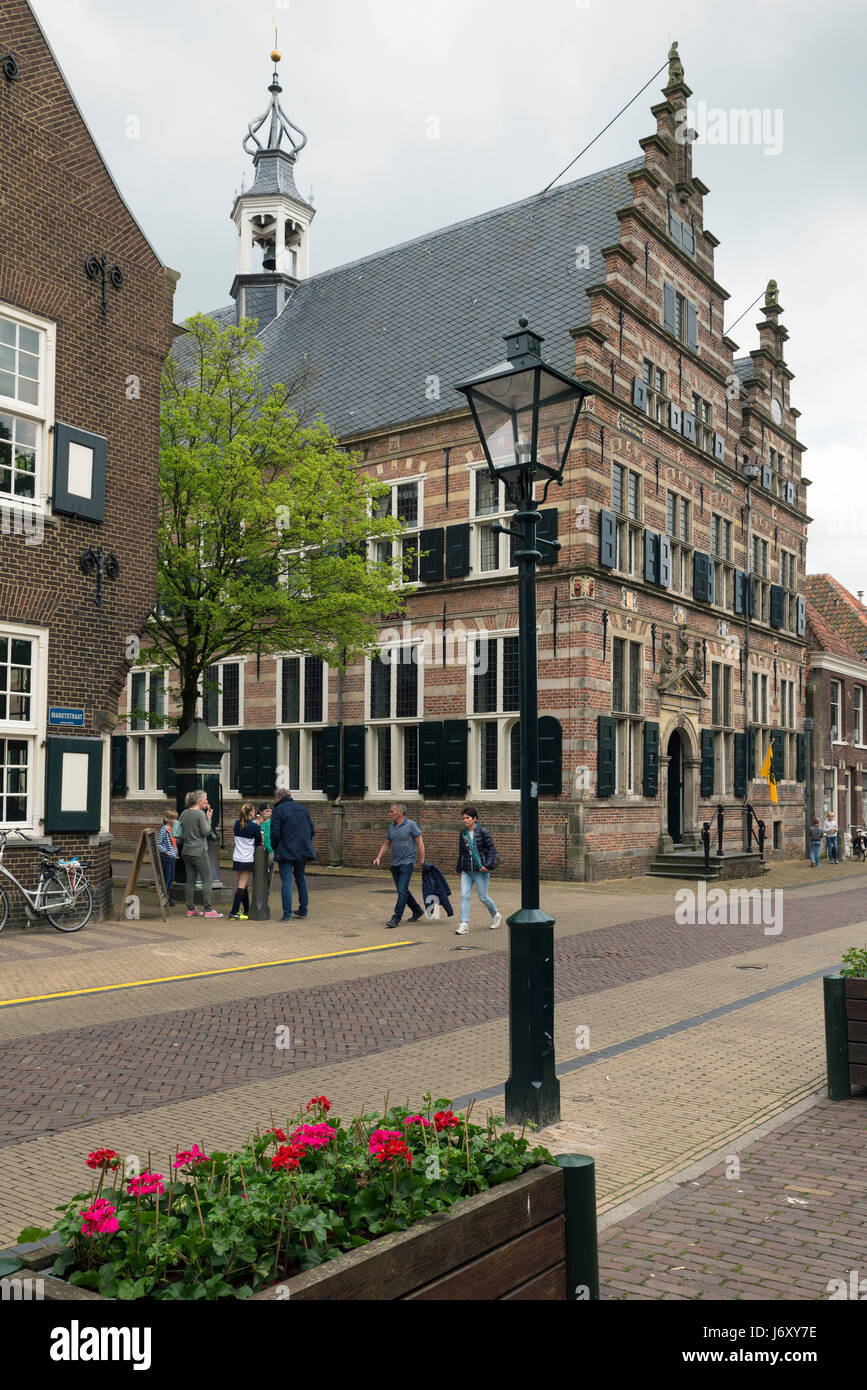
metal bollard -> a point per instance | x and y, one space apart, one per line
582 1248
836 1038
705 839
260 887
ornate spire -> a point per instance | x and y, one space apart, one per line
279 126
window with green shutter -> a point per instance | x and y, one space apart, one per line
606 769
257 762
118 765
802 758
651 760
547 531
458 551
432 546
708 776
430 747
354 769
454 756
331 762
778 767
73 784
740 777
550 757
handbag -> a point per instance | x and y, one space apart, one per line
495 862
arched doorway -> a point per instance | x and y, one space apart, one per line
675 787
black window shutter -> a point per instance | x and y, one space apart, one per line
702 578
79 472
802 757
740 593
719 447
456 733
169 779
354 770
430 768
248 762
778 766
547 531
267 762
688 425
692 327
708 771
651 557
751 594
651 760
802 617
665 562
457 551
670 309
675 417
778 606
607 540
89 816
430 566
639 394
751 753
550 757
119 785
331 762
740 777
605 775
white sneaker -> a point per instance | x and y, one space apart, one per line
463 929
495 921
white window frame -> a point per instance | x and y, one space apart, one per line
34 729
148 736
304 728
504 719
504 514
858 704
397 726
409 538
41 414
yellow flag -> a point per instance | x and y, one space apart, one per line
767 771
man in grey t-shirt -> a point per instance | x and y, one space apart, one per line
405 841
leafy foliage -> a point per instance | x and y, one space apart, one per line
238 1223
855 963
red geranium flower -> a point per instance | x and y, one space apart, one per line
395 1148
103 1158
320 1101
288 1156
277 1133
445 1119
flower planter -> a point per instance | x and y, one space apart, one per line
845 1035
507 1243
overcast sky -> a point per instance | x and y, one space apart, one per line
517 89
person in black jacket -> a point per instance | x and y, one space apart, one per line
475 860
292 845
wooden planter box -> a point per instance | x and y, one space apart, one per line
508 1243
845 1035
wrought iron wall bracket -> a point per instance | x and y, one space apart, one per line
9 66
103 565
96 268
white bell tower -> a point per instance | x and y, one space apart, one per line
271 218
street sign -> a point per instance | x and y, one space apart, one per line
61 717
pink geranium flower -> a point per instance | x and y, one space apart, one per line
313 1136
381 1138
417 1120
146 1184
99 1219
189 1159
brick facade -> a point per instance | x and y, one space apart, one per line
587 603
837 699
60 205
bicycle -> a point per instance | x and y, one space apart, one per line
63 894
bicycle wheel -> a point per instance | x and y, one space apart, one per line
4 908
71 917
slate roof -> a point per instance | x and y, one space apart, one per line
372 334
840 610
744 368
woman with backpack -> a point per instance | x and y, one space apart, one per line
248 834
477 857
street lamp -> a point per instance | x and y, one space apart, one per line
526 413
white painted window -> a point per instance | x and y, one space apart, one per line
27 348
23 665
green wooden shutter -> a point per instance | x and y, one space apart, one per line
778 766
267 777
354 769
605 774
456 734
664 562
778 606
430 768
248 762
550 757
740 777
167 780
607 540
708 770
802 758
331 762
752 772
651 760
458 551
547 531
89 816
119 785
740 593
651 557
91 503
432 546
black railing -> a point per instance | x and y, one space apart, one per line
705 839
720 826
755 827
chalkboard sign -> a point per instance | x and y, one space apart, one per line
147 847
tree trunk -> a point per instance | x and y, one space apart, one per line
189 696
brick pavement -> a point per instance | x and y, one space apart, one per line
777 1220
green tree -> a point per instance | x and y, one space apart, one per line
263 521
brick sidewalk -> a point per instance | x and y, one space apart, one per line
777 1219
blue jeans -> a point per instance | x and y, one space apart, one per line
815 851
168 864
402 873
482 882
289 869
831 841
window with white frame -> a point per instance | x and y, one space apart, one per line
493 701
26 407
679 527
761 718
657 395
627 703
788 710
405 500
490 553
760 576
721 549
789 581
146 711
20 717
722 722
836 709
395 702
703 412
223 708
858 713
303 714
626 501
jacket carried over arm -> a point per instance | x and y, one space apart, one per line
484 849
292 833
196 831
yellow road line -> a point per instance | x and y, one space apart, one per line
204 974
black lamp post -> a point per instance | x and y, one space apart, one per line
525 413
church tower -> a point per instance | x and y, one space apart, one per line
272 219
